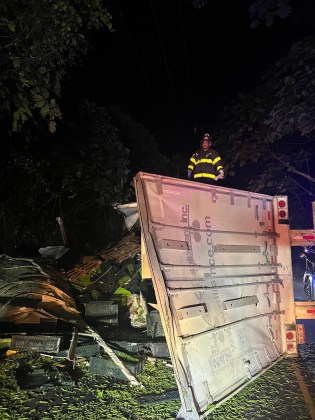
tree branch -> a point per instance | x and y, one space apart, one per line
291 168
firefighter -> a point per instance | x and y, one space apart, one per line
205 165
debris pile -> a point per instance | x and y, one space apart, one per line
97 313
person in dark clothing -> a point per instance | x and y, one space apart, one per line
205 165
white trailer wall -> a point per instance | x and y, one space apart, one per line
213 257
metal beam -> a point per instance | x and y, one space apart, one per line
304 310
304 237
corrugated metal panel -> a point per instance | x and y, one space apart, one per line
38 343
212 257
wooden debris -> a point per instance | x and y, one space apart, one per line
88 265
128 247
132 379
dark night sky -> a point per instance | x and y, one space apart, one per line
173 68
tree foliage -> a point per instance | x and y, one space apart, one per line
78 176
97 161
39 41
144 153
78 173
274 124
268 10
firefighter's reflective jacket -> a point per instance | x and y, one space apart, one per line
205 164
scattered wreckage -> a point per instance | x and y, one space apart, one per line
221 269
96 311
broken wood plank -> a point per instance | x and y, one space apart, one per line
132 379
88 266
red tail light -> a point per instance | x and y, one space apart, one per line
282 209
290 335
281 203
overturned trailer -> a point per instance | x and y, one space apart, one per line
220 261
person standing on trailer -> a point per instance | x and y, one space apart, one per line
205 165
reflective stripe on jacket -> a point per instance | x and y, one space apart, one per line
205 164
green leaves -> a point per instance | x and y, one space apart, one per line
39 44
93 396
272 124
11 26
